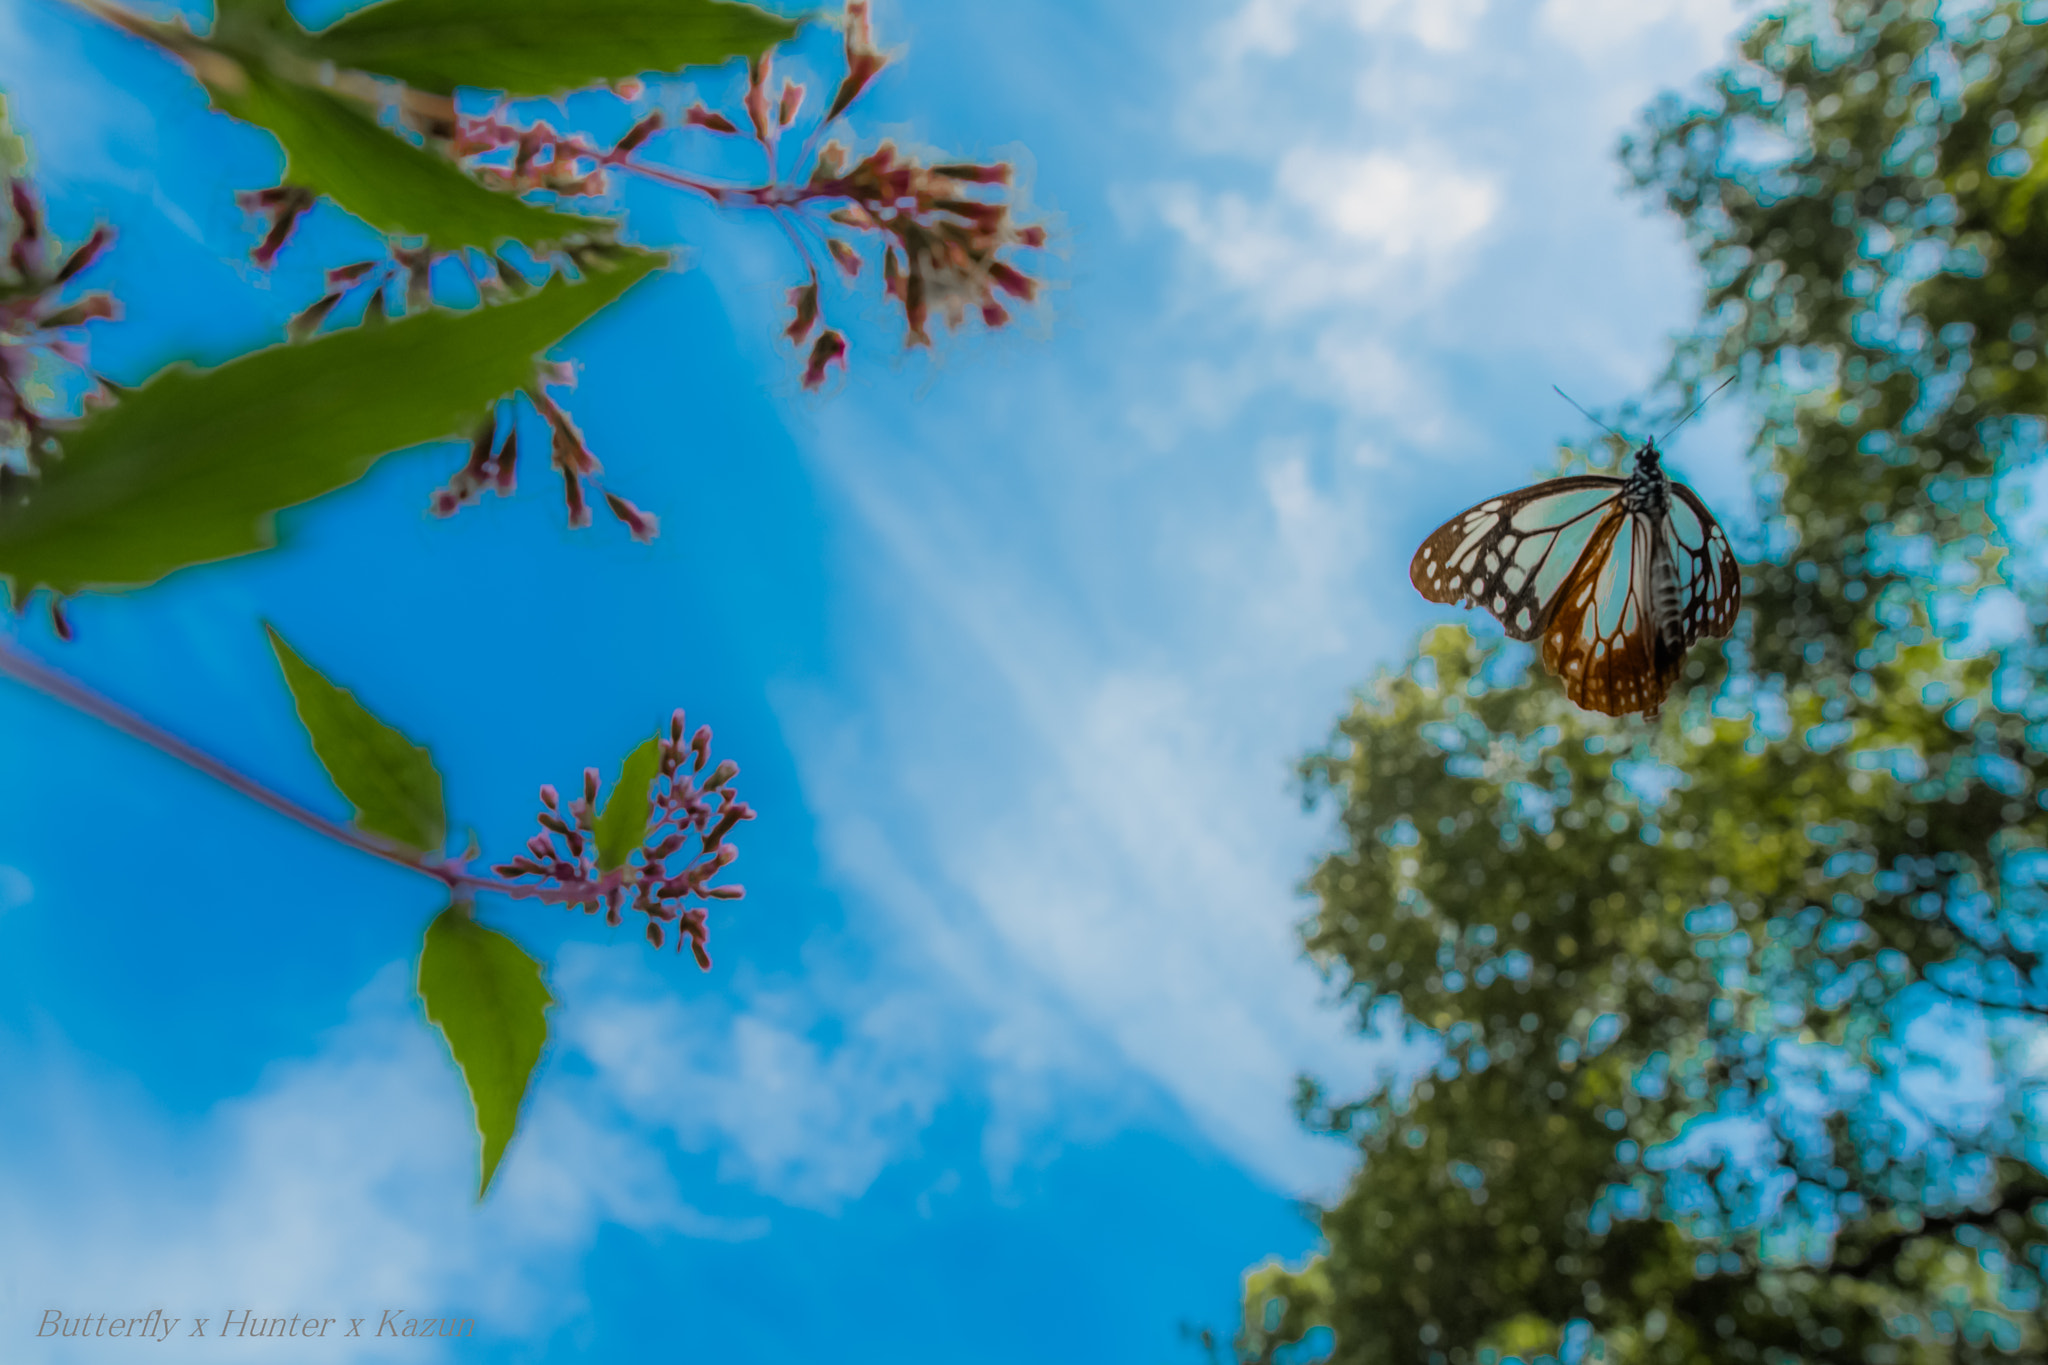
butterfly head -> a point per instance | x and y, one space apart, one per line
1648 458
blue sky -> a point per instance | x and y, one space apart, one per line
1016 646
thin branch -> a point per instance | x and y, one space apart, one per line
32 672
24 668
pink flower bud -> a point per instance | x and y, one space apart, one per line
700 744
480 443
725 772
731 892
997 174
638 134
804 300
505 475
675 727
756 101
698 116
830 349
308 322
982 216
86 254
572 497
590 784
1012 281
654 934
846 256
643 525
548 795
1033 236
915 312
994 314
697 951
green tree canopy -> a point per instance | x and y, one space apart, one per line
1687 983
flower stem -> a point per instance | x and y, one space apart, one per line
32 672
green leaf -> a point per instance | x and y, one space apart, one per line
623 822
13 151
190 467
487 998
390 781
333 146
543 47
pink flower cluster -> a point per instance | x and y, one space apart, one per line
686 805
493 465
941 226
33 321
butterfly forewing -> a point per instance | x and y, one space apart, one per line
1512 554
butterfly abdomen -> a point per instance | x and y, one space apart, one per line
1665 604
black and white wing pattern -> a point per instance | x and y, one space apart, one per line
1617 578
1709 580
1512 554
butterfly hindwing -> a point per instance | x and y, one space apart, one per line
1602 640
1512 554
1709 581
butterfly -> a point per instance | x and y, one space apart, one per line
1618 577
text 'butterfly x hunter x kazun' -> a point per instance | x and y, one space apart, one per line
1618 577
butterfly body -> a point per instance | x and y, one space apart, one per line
1617 577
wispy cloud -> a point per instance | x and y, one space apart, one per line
806 1121
1081 668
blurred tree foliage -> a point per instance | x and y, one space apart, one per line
1737 1019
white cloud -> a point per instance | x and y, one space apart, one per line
1272 28
1402 206
343 1184
1433 181
1600 30
1338 228
806 1122
16 890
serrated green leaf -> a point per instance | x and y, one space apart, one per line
486 996
190 467
391 781
333 147
622 824
543 47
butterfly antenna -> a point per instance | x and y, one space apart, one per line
1696 408
1589 416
